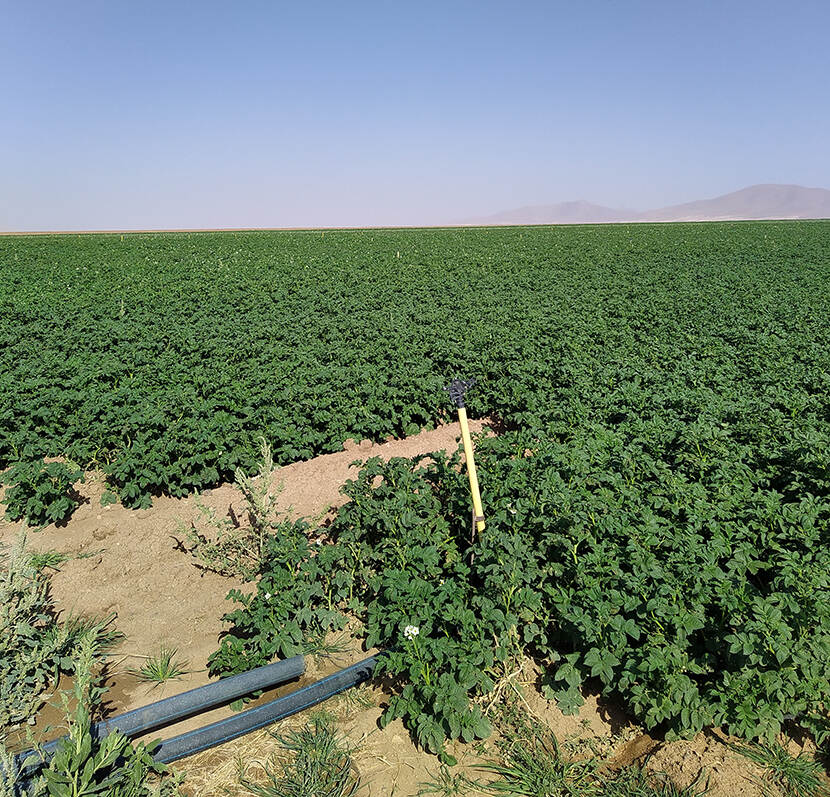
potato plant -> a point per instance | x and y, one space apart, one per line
658 495
163 357
693 603
41 492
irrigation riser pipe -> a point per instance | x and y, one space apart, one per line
457 390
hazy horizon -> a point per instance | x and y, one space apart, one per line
275 115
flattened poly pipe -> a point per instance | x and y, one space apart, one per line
255 718
178 707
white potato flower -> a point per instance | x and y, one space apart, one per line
411 631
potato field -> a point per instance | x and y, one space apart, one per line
657 489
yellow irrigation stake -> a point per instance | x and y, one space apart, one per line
457 389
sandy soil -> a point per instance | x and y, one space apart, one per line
131 563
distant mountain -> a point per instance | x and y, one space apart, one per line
756 202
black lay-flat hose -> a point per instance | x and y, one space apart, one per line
179 707
233 727
255 718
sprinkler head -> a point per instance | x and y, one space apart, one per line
457 388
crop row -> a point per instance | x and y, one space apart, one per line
161 358
658 493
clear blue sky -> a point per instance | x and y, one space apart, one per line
205 114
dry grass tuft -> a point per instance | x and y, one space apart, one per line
216 772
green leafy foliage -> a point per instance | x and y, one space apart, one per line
34 646
601 582
658 496
295 604
314 760
83 766
41 492
162 357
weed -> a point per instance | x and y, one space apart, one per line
161 667
533 766
793 776
99 631
314 760
321 647
261 501
634 781
32 643
90 554
84 766
46 559
233 545
9 781
358 698
446 784
34 646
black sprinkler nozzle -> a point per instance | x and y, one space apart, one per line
457 388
